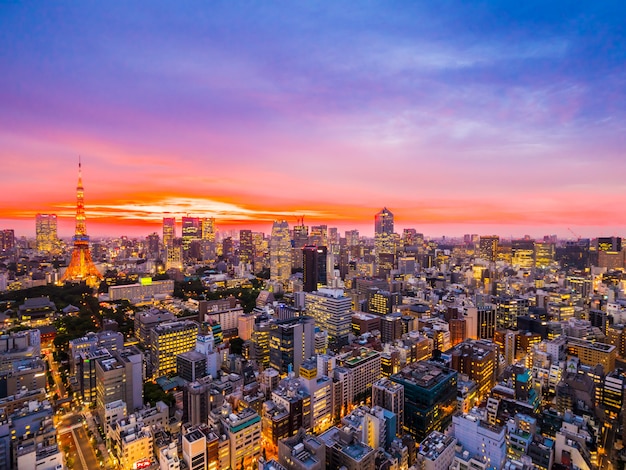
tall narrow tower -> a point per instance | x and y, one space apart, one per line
81 267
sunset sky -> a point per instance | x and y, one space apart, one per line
460 117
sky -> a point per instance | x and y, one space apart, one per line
484 117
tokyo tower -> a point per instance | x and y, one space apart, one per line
81 267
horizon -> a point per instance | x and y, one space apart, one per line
496 118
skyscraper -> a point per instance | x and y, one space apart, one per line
314 264
208 229
46 232
81 267
332 312
280 252
7 239
488 248
169 231
246 247
383 222
384 240
291 343
191 231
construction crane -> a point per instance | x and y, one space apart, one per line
578 237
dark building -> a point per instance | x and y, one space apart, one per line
191 366
391 328
574 255
314 265
429 397
613 244
382 302
246 247
291 342
383 222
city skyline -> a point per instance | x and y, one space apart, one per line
491 119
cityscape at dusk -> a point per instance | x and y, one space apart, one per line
498 117
340 235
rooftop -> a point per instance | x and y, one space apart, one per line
424 374
435 444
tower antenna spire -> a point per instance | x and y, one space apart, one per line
81 267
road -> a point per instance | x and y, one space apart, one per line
54 368
66 441
85 448
606 459
73 433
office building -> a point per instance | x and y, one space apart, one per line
314 267
147 289
302 452
390 396
436 452
280 252
429 397
146 320
46 232
194 447
485 442
246 247
592 353
523 253
488 248
191 366
169 231
191 230
331 310
291 342
478 359
243 430
344 450
132 443
208 229
365 365
320 389
365 323
168 340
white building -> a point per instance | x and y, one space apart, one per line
485 442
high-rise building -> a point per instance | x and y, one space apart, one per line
314 265
246 247
383 222
243 430
291 343
390 396
153 243
488 248
319 235
191 231
208 229
544 254
191 366
169 231
365 365
81 267
523 253
331 310
484 442
384 241
478 360
7 239
320 389
46 232
120 377
280 252
168 340
429 397
194 449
